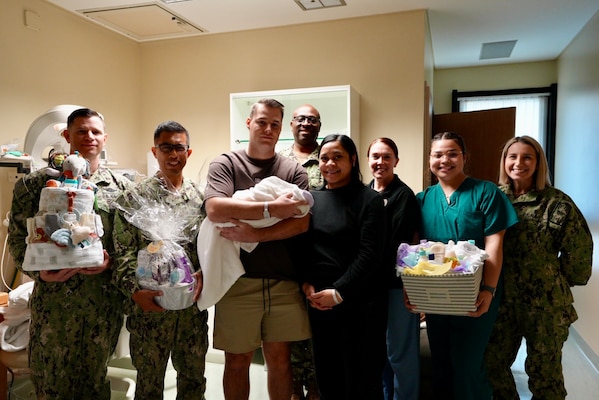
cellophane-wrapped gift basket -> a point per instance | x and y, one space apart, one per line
163 264
441 278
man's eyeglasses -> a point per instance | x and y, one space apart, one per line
451 154
167 147
306 119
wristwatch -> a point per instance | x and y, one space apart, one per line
266 214
490 289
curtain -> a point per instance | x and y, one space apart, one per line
531 111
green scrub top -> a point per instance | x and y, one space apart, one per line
476 209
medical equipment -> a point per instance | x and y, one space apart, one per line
44 133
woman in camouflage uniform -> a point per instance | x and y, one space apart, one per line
545 254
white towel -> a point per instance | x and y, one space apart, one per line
14 338
45 256
219 257
14 330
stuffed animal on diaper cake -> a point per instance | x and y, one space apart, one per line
70 170
75 166
66 231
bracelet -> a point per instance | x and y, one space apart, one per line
337 297
489 289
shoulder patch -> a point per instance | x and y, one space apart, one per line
559 214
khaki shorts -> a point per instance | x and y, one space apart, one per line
257 310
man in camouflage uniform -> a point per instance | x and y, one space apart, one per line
305 126
76 314
156 333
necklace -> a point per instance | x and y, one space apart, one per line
451 187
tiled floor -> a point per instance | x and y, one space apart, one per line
582 377
122 373
581 374
214 374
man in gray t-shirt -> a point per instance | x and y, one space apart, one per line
264 307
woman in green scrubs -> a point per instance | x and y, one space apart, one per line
460 207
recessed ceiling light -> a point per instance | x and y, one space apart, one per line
493 50
307 5
143 22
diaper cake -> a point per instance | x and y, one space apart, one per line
65 233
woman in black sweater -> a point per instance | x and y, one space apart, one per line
401 378
343 277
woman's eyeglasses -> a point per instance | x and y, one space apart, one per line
451 154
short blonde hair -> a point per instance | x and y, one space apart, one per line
541 175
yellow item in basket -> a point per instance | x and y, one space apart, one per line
427 268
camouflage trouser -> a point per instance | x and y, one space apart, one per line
71 339
545 331
302 365
182 335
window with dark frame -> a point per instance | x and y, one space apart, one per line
547 97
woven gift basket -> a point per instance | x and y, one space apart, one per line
441 278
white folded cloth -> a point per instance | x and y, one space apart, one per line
219 257
14 330
14 338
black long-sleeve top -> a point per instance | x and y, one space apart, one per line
346 241
403 224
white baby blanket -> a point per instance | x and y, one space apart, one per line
219 257
14 330
46 256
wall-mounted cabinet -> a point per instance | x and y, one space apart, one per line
339 108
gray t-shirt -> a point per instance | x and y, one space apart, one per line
237 171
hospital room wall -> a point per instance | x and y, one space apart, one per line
73 61
577 146
381 57
66 61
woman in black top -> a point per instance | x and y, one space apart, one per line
401 377
344 277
